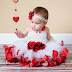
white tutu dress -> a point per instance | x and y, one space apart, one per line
36 50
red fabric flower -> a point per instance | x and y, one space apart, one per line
31 14
35 46
41 46
31 45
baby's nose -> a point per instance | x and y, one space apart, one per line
34 25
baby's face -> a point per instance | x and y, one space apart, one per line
37 24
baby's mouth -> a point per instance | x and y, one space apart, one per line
33 28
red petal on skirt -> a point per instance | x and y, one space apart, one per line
27 59
35 62
21 64
59 60
54 57
18 51
28 64
6 51
23 54
5 46
63 59
9 56
42 60
46 58
55 54
65 50
54 63
62 43
50 63
63 54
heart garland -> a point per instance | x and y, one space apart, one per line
15 19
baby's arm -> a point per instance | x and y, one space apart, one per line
25 32
49 37
20 34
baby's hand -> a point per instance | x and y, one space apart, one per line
19 34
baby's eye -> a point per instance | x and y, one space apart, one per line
32 22
37 23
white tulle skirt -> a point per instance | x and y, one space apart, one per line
18 50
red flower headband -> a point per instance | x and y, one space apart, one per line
31 13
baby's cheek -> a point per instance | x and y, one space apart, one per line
38 27
31 25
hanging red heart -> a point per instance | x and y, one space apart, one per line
15 1
16 19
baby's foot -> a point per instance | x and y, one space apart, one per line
45 63
31 64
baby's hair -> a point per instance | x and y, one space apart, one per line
41 11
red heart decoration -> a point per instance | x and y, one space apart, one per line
15 1
16 19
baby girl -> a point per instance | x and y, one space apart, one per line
40 48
